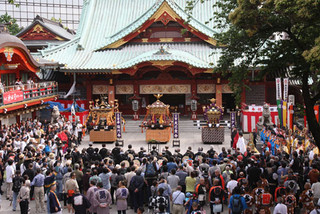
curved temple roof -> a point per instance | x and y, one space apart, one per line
104 22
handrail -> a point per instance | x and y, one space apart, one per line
27 86
27 92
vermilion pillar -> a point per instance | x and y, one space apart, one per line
111 93
219 94
89 90
18 119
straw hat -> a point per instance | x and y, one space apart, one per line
185 158
126 163
136 163
130 156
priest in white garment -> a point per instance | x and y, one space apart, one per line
241 144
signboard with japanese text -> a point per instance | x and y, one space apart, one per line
233 118
118 124
285 89
175 125
278 89
12 97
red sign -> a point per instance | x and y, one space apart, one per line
12 97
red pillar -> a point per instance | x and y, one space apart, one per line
194 94
219 94
243 95
34 115
136 92
89 90
18 119
111 93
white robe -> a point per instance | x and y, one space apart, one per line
241 145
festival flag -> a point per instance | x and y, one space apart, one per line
73 110
284 113
290 116
279 98
285 89
316 112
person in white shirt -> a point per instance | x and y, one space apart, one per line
280 208
232 184
178 199
241 145
9 173
316 210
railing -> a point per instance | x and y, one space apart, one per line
19 93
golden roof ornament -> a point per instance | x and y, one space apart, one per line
158 96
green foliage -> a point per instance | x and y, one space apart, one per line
13 2
248 28
13 27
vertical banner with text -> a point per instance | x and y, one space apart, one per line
175 125
284 113
279 98
233 118
118 125
285 89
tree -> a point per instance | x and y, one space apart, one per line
13 27
245 29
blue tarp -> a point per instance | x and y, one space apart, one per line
51 104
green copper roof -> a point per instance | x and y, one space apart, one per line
104 22
197 55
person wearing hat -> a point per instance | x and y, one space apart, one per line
48 182
54 203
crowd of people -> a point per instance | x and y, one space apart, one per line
41 162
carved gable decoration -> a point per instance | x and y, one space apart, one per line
38 32
165 18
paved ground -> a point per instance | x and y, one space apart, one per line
189 136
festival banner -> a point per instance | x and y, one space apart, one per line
233 118
12 97
284 113
290 116
175 125
316 112
285 89
118 125
278 89
279 98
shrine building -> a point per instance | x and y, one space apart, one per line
131 50
43 32
22 94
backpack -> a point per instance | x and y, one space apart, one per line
16 184
236 205
150 171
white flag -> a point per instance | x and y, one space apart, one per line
73 110
71 91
